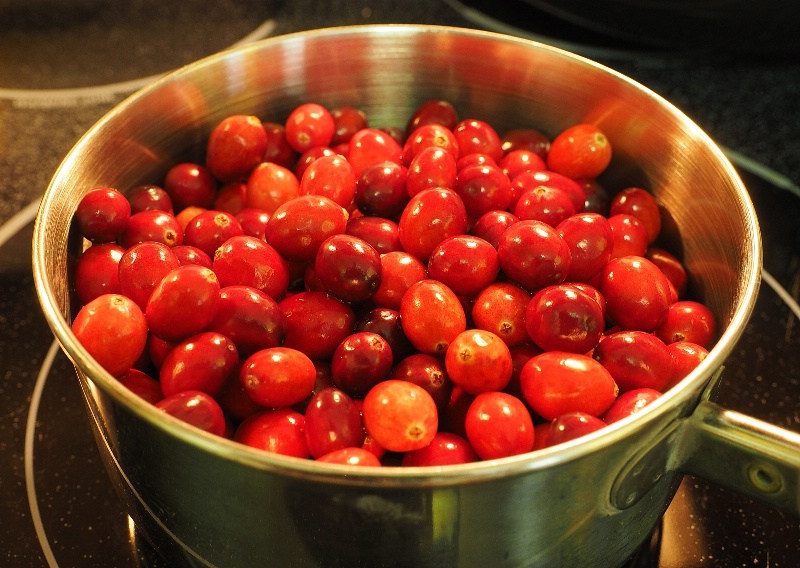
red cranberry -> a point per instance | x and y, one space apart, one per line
298 227
148 196
154 225
361 361
348 267
142 267
534 255
635 359
381 189
235 146
188 184
434 111
464 263
97 271
249 261
250 318
316 323
102 214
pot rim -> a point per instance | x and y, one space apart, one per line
679 395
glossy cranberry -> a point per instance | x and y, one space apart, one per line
534 255
102 214
554 383
629 403
525 139
688 320
434 111
637 293
641 204
351 457
158 226
235 146
202 362
476 136
309 125
142 267
113 330
269 186
210 229
386 323
400 416
250 318
330 176
579 151
249 261
183 303
278 150
686 356
428 372
518 161
545 203
348 267
188 183
431 167
596 198
475 159
253 221
97 271
382 234
316 323
445 449
332 422
361 360
530 180
500 308
432 316
498 425
483 189
347 121
381 190
298 227
478 361
635 359
191 255
491 225
430 217
197 409
671 266
185 215
147 196
279 431
427 135
466 264
370 146
571 426
143 385
590 240
399 270
629 236
562 318
278 376
231 197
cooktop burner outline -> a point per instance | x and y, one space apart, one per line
68 97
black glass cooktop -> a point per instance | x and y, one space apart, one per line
62 68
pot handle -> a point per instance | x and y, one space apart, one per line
742 454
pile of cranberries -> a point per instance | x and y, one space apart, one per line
427 295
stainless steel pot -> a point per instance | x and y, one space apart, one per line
588 503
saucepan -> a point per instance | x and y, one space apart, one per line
586 503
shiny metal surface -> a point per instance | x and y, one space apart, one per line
226 505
